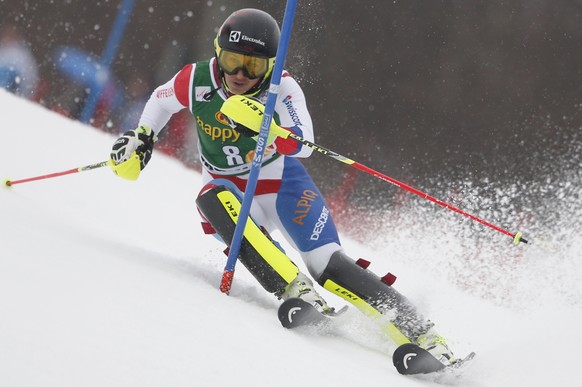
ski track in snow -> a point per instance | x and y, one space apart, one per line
105 282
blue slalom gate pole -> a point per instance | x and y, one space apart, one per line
235 244
107 58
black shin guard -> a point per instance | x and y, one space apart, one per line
374 297
266 262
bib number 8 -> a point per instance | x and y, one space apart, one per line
233 156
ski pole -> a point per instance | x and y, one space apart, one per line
10 183
517 237
228 274
247 112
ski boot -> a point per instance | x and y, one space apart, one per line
302 287
436 345
376 298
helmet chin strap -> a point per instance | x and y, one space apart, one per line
253 91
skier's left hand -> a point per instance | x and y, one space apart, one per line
243 130
247 113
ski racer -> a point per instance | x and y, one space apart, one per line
286 198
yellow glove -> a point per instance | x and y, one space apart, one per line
131 152
246 115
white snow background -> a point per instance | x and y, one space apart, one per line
105 282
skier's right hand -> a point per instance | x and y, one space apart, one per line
132 151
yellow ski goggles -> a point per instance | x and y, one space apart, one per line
253 67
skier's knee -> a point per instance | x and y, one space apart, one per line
206 224
318 259
219 204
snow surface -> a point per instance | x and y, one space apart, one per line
105 282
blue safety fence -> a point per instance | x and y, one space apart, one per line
103 67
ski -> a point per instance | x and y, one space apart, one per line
295 312
410 359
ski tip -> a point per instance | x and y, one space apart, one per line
290 312
295 312
410 359
7 182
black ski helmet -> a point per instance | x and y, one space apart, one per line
250 32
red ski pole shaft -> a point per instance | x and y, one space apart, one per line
9 183
517 237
